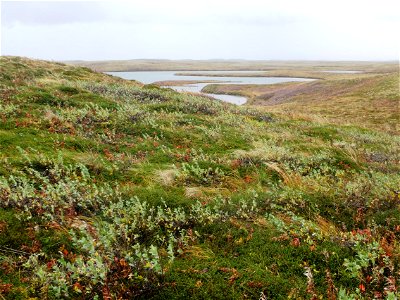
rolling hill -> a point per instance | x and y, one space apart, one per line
111 189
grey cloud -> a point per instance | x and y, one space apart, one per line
67 12
48 13
254 29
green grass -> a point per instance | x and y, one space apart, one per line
111 188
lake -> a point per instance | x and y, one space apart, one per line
155 76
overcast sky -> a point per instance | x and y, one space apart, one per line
172 29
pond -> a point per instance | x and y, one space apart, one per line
155 76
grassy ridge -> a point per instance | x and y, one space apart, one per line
112 189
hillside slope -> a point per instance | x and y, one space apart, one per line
367 100
114 190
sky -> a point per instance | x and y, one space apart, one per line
207 29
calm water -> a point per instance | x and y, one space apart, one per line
197 87
154 76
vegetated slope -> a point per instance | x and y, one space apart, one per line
110 189
370 101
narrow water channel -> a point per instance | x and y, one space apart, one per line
148 77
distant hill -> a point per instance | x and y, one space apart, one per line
204 65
